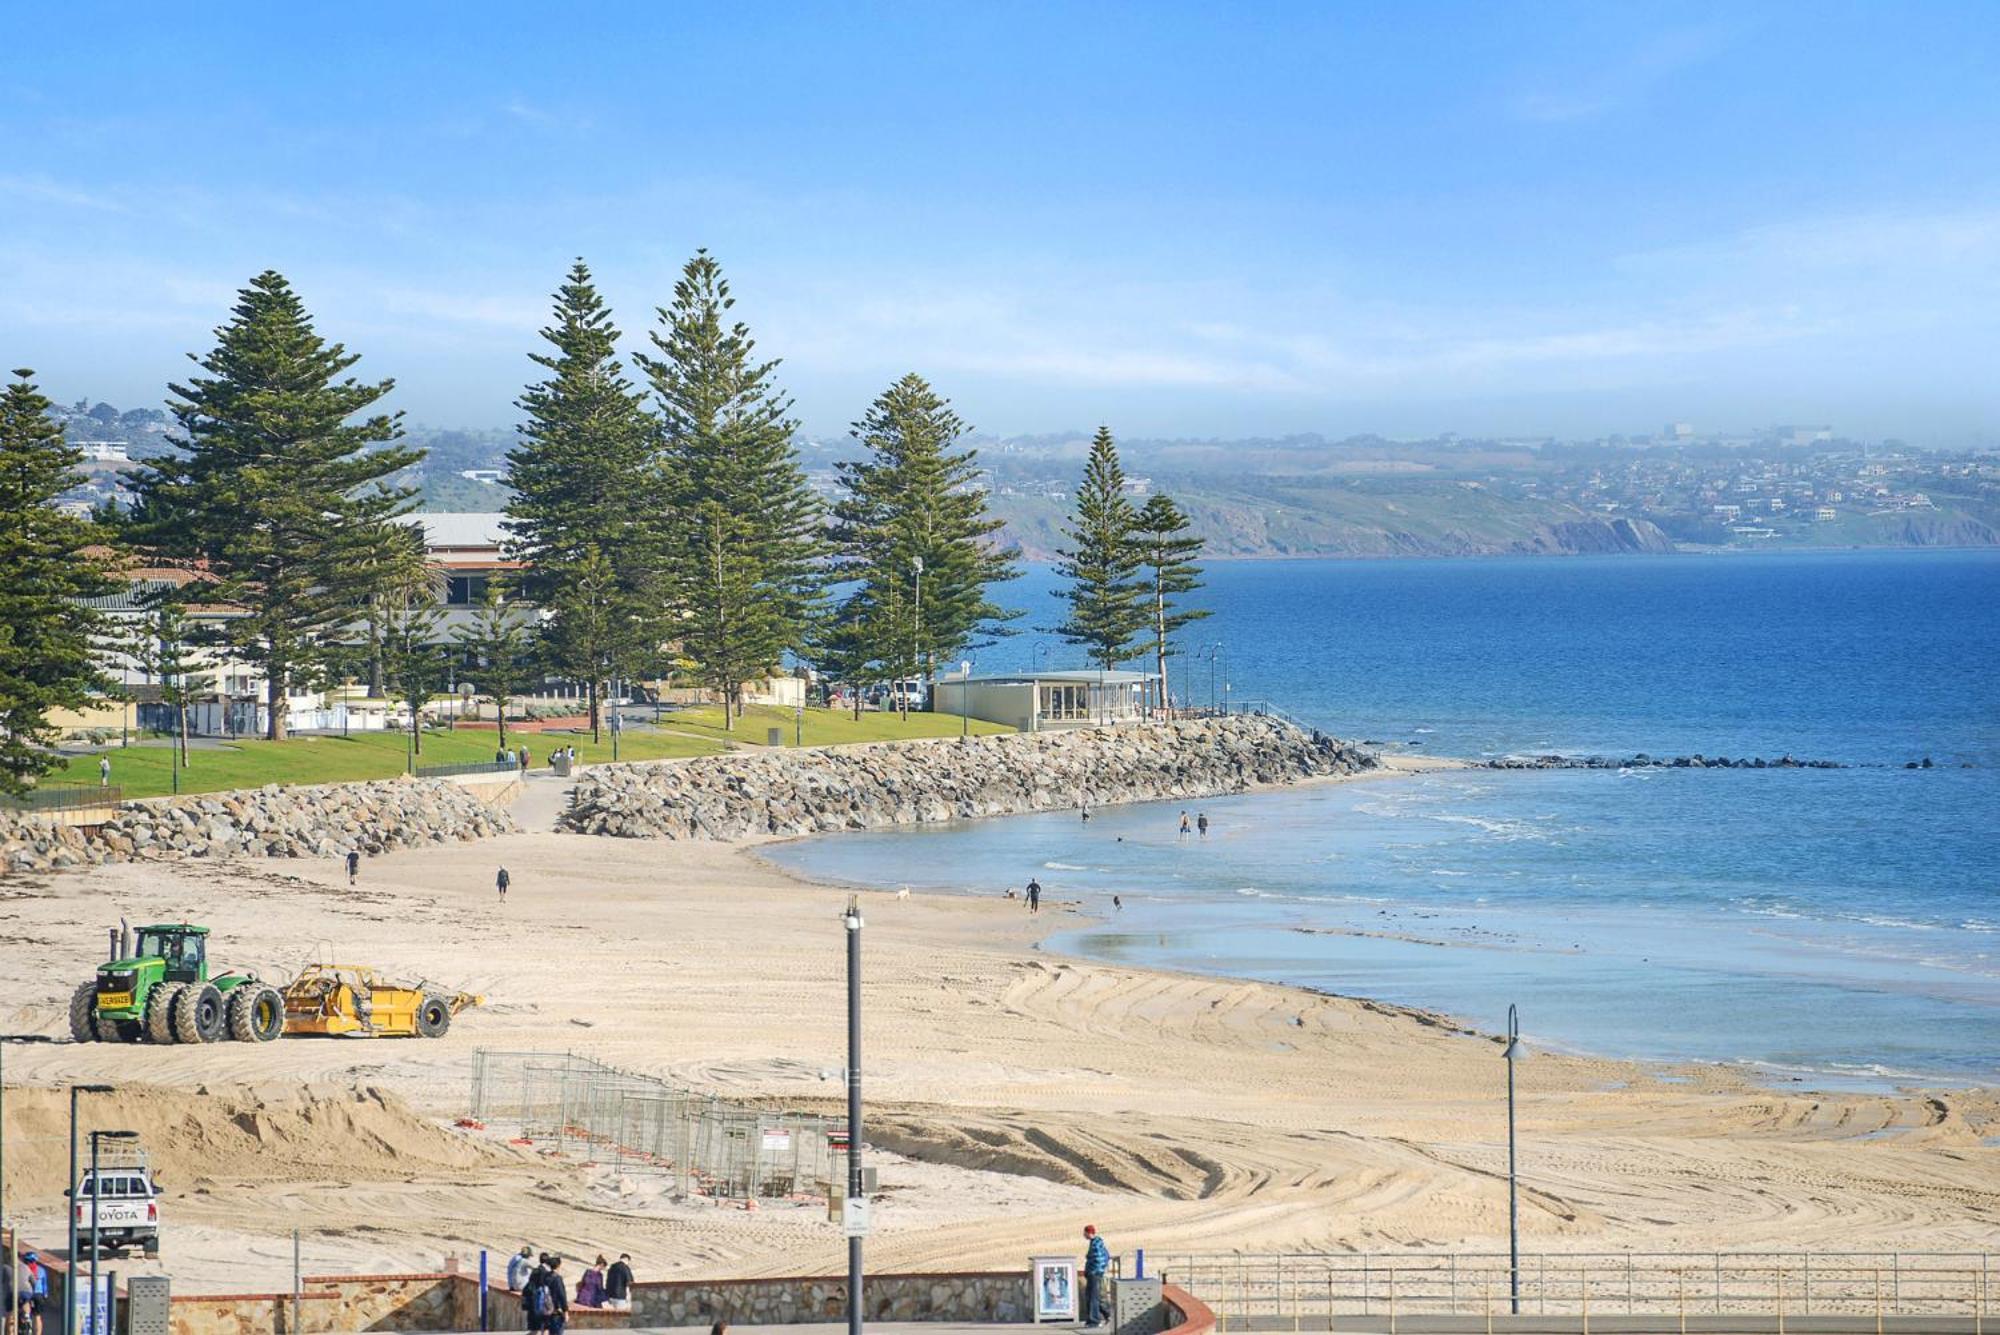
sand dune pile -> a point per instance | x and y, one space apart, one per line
195 1139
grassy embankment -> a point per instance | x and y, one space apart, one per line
824 727
143 771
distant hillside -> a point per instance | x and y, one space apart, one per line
1316 516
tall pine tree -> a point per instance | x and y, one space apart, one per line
1167 551
747 565
1107 612
914 498
585 478
276 488
46 654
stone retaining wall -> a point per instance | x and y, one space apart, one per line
898 783
324 820
447 1302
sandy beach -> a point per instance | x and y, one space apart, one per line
1016 1095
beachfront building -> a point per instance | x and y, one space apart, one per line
1032 701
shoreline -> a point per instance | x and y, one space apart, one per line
1777 1076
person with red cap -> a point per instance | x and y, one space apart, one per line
1096 1260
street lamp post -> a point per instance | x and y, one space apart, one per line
917 639
852 921
1513 1196
69 1284
615 719
95 1245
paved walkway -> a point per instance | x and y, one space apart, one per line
544 797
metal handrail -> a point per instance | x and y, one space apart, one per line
1319 1291
65 797
467 767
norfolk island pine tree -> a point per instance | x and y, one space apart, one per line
1105 591
1167 551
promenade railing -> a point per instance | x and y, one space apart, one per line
467 767
65 797
1331 1291
637 1123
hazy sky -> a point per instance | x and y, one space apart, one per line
1182 220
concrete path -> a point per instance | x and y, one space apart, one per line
544 797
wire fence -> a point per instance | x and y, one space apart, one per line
643 1124
468 767
65 797
1323 1292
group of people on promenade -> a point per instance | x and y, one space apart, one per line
519 756
545 1297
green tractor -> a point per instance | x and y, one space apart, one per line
162 993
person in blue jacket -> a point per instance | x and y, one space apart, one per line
1096 1260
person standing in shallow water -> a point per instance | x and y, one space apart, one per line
1201 823
1184 825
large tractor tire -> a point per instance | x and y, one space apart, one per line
160 1011
433 1017
256 1013
119 1031
198 1014
83 1013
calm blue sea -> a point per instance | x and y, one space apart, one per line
1842 926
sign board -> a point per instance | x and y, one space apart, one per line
1055 1287
92 1305
854 1217
777 1142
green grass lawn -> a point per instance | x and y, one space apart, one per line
824 727
143 771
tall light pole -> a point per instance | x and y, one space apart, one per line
95 1245
852 921
917 640
1513 1195
69 1284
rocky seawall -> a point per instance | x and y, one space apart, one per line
325 820
903 783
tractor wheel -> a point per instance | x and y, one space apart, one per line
256 1013
433 1017
83 1013
118 1031
198 1015
160 1011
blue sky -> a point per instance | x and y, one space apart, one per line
1178 219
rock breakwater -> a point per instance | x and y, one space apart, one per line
1644 761
903 783
275 822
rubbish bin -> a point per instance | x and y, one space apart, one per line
561 765
774 736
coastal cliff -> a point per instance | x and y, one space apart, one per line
902 783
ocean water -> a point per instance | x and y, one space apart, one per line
1835 926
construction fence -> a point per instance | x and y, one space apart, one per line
642 1124
1332 1291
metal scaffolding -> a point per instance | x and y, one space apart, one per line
643 1124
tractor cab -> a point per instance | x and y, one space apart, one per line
182 949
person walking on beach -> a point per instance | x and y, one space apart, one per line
501 882
1034 895
353 865
1201 823
1117 904
1096 1260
